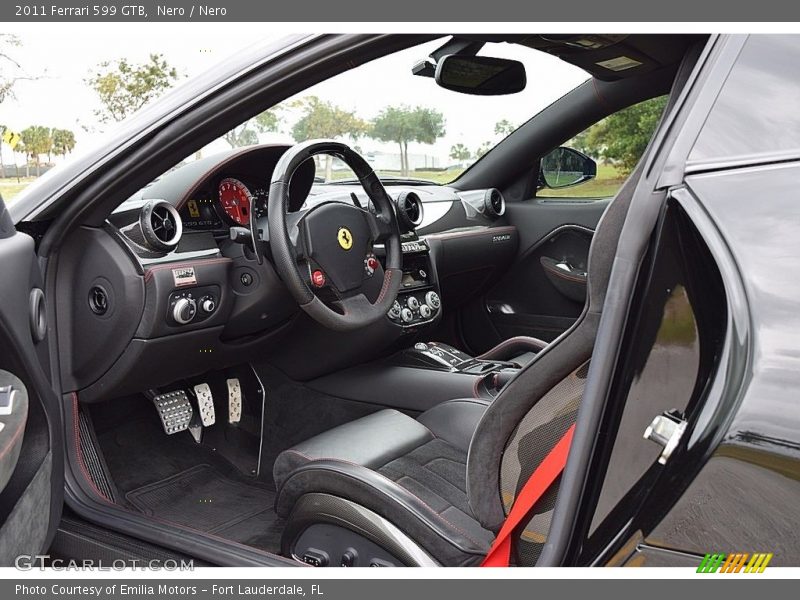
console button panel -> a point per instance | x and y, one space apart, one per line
415 308
192 305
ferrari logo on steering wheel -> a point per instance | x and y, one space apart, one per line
345 238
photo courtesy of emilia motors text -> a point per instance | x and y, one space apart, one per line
350 299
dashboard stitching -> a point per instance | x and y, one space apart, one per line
216 168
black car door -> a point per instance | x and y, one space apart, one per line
544 289
31 454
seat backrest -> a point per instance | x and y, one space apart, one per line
537 407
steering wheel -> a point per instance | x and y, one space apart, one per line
330 246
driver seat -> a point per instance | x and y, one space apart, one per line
447 479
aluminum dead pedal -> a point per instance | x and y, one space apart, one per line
175 411
205 404
234 401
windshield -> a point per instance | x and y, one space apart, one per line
406 126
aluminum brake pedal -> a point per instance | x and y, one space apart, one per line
205 404
234 400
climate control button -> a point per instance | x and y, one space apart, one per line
425 311
432 299
412 303
184 311
208 304
406 315
394 312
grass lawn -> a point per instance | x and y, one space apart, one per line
604 185
10 187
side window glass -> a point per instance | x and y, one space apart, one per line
610 150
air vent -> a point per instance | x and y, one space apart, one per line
409 211
161 225
494 203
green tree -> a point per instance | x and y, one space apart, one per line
483 149
460 152
322 119
504 127
37 141
246 134
623 136
403 124
63 141
124 87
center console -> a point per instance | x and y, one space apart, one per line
418 302
418 378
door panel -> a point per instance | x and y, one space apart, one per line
543 292
31 456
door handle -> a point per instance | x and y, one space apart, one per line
568 280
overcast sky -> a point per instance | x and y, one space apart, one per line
64 54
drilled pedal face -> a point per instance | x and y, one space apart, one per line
205 404
175 411
234 400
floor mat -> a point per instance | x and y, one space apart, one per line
202 498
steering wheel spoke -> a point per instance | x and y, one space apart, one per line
327 251
380 226
297 236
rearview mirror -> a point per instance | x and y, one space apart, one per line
480 75
565 167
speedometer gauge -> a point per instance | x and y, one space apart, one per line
234 197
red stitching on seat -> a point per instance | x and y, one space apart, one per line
425 504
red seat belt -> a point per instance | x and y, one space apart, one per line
540 481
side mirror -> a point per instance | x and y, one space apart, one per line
565 167
480 75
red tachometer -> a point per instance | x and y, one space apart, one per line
234 197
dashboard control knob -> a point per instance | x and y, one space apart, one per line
425 311
406 315
432 299
412 303
184 311
421 346
394 312
208 305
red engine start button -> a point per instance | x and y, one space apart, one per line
318 278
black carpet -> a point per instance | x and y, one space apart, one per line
212 486
204 499
294 413
170 476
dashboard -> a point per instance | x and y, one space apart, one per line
203 299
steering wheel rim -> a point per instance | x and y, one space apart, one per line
289 254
